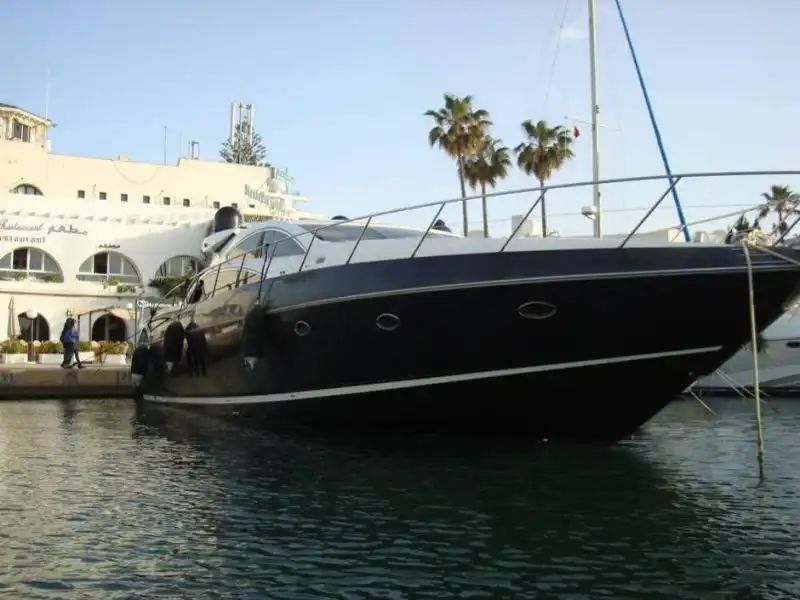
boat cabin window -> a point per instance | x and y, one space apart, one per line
201 288
211 284
350 232
227 281
285 247
247 277
252 245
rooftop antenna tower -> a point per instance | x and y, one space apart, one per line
242 118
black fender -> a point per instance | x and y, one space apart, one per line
140 360
254 334
157 362
196 341
173 345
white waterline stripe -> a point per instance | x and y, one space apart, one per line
779 265
412 383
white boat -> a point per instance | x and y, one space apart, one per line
778 363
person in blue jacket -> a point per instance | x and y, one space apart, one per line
69 337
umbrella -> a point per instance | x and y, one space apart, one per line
12 319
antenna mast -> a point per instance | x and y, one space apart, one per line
47 96
242 116
595 114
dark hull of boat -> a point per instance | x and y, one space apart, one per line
563 345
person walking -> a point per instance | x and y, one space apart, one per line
69 338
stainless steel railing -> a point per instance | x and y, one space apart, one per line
541 191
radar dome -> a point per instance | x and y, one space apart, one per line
226 218
276 187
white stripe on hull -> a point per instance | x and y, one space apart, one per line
414 383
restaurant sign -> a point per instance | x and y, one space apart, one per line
34 233
273 202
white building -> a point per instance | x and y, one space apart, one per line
85 236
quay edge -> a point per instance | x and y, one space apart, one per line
46 382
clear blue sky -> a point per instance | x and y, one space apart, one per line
340 87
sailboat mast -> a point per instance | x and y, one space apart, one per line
595 114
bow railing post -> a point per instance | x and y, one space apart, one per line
651 210
216 279
522 220
265 264
305 256
428 230
241 268
358 241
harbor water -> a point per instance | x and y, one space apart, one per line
104 500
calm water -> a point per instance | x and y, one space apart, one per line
99 500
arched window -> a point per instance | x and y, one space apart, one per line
109 265
109 328
36 330
27 190
178 266
23 263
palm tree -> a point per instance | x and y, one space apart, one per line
459 130
546 151
486 167
783 201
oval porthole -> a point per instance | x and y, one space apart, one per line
793 345
302 329
536 310
387 322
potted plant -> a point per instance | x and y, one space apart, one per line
86 352
50 353
113 353
14 352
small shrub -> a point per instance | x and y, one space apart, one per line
51 348
13 347
114 347
84 346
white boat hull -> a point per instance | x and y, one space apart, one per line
778 364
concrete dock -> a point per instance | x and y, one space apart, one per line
35 382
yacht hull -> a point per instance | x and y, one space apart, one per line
568 345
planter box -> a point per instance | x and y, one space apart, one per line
50 359
114 359
86 356
14 359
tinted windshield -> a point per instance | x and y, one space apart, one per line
351 232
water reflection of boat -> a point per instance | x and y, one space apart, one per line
460 514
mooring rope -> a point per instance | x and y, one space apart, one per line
754 349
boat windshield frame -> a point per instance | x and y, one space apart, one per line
354 231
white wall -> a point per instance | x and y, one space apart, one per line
147 235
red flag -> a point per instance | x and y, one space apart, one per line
576 132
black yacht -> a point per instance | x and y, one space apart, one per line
354 325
